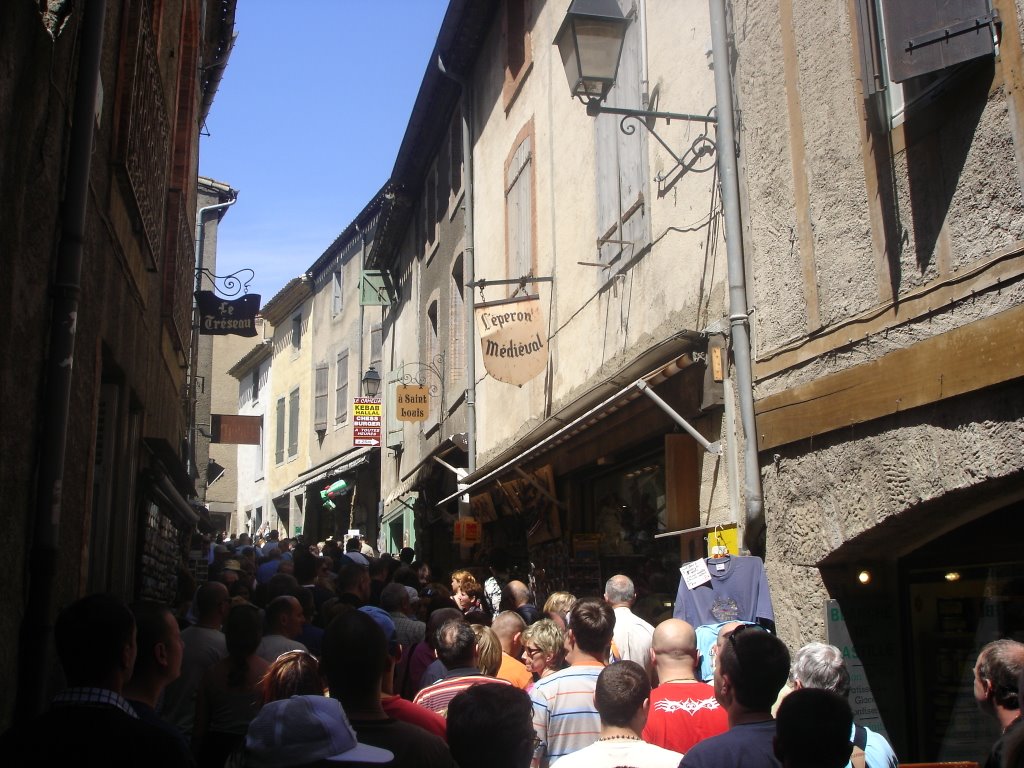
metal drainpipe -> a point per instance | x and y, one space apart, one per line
468 268
36 626
738 317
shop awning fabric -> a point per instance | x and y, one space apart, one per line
339 465
622 397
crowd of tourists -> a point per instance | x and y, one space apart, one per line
293 655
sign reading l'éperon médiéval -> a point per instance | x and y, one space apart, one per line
513 339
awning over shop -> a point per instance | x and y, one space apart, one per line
578 417
414 477
339 465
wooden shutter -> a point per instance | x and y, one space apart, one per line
320 398
279 446
395 428
622 159
456 359
519 210
341 392
924 36
293 423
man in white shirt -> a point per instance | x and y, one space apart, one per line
622 700
285 618
632 638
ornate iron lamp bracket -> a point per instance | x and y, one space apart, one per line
701 147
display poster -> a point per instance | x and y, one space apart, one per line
366 421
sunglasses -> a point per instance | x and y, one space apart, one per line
531 652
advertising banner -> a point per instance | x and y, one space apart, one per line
366 421
513 339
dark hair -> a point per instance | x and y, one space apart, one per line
281 584
91 635
456 643
407 576
209 598
350 575
151 628
621 691
306 566
407 555
439 618
276 608
243 631
355 655
353 544
1001 662
812 729
393 597
377 567
491 726
592 622
757 664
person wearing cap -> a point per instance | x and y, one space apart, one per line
395 600
395 706
305 730
354 662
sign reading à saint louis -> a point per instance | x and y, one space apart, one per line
411 403
221 317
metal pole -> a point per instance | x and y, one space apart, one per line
36 627
738 316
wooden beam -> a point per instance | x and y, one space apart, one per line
978 355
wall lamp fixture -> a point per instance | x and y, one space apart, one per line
590 44
371 382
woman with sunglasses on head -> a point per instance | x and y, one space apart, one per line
543 648
294 673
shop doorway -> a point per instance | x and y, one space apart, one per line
960 591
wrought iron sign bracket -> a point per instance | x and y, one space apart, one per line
228 285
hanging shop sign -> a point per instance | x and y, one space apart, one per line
467 531
366 421
513 339
411 403
221 317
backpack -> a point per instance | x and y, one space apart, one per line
860 740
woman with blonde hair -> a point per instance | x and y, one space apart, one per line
543 648
488 650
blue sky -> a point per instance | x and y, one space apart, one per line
307 123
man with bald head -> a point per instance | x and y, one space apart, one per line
683 710
632 639
508 626
522 602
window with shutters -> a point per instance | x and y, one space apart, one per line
515 29
296 334
337 298
519 208
293 424
455 153
256 384
622 217
320 398
455 361
281 425
341 390
911 50
395 428
432 353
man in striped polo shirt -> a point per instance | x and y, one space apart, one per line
457 650
564 714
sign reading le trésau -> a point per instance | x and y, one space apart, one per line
412 403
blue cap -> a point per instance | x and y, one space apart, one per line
385 622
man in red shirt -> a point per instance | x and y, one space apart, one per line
683 710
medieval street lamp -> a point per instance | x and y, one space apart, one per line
590 44
371 382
